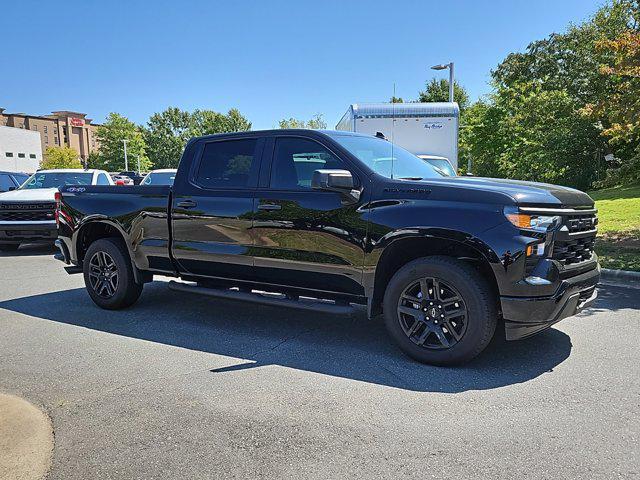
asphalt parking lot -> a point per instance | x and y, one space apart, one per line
187 387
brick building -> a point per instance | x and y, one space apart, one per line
61 128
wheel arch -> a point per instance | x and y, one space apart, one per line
405 249
94 230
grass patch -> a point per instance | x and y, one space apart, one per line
618 243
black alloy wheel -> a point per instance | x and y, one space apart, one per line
108 274
432 314
440 310
103 274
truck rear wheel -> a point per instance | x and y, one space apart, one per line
108 275
440 311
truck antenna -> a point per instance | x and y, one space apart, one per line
393 124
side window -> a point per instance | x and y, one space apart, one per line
295 160
102 179
228 164
5 183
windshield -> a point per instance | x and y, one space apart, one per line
377 154
443 165
20 178
162 178
55 180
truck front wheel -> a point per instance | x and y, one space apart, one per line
440 310
108 275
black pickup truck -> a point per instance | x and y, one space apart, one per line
343 219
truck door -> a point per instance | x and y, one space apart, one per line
303 237
212 208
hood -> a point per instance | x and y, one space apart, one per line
523 193
29 195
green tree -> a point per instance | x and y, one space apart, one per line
60 157
551 115
395 99
438 91
314 123
168 132
110 155
166 135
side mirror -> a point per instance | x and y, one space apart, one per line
340 181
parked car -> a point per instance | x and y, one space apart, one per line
442 164
135 176
11 180
164 176
121 179
442 258
27 213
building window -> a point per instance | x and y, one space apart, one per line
9 154
21 155
45 129
35 127
32 155
46 139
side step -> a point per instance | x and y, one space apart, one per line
266 299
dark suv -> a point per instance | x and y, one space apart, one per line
347 219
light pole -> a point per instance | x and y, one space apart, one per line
444 66
126 161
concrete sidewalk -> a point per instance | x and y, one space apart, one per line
26 440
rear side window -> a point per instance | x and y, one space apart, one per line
228 164
295 160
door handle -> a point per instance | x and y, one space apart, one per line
187 204
269 206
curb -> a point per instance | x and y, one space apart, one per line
26 440
625 277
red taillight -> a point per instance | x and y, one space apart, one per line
56 215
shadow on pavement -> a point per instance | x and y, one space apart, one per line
354 348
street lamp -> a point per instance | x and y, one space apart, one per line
126 162
444 66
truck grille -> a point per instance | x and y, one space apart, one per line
26 212
576 239
574 251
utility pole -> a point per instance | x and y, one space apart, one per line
138 159
126 161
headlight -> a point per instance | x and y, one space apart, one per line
537 223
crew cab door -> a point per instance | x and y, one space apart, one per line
212 208
303 237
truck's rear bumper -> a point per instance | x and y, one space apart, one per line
525 316
23 232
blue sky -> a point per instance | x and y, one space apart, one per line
269 59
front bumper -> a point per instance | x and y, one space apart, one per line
22 232
525 316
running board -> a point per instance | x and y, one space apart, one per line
265 299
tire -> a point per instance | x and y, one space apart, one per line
433 318
9 247
122 291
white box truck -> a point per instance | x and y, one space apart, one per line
425 129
